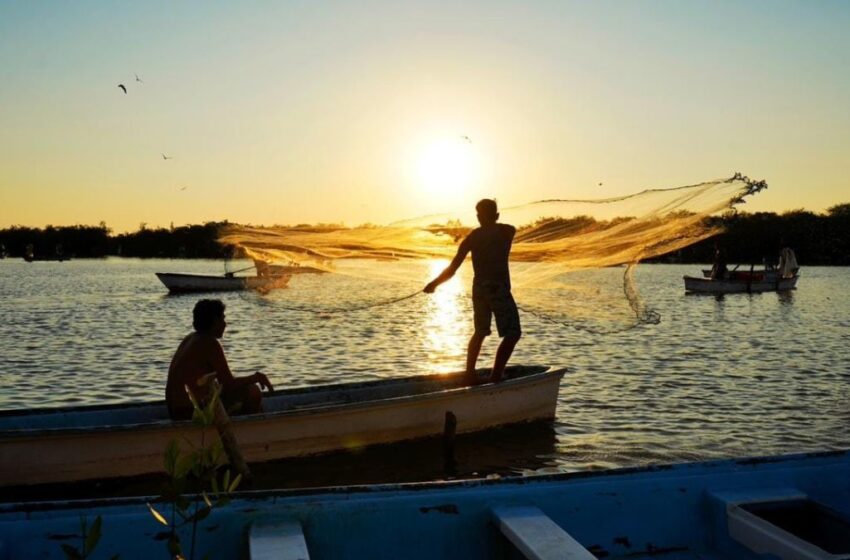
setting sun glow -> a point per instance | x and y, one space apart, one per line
448 166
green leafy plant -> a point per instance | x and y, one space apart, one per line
196 485
90 536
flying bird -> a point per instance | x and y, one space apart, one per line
123 87
466 139
600 184
138 79
166 157
182 188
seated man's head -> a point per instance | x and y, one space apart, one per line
208 317
487 211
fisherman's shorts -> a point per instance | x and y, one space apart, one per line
495 299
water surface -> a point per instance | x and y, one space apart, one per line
718 377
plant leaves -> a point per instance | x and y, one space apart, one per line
206 499
184 464
71 553
174 547
226 485
172 453
156 515
93 536
234 484
199 515
183 504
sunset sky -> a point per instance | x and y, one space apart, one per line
375 111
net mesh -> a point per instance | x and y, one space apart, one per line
554 237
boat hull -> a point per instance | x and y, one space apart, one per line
192 283
674 512
300 423
750 285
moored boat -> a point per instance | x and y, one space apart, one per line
187 283
97 442
792 507
740 281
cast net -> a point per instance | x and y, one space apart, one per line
561 260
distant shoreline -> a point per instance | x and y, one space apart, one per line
818 239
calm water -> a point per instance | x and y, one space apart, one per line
740 375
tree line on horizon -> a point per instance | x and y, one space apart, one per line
748 238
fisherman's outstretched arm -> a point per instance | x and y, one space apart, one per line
450 270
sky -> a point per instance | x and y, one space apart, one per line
377 111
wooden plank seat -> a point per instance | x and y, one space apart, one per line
536 535
277 540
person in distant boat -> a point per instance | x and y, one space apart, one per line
787 267
490 246
719 270
200 354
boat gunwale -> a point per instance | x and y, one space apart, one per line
167 424
355 491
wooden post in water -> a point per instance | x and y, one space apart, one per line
449 462
225 432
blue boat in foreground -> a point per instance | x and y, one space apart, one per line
788 507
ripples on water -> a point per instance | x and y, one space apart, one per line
738 375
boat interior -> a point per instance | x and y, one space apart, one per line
786 508
300 398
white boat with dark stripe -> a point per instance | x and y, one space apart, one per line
110 441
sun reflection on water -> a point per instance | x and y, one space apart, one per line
446 323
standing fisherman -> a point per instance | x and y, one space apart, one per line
490 246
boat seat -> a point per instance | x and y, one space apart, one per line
787 525
277 540
536 535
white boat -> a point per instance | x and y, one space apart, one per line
98 442
741 282
184 283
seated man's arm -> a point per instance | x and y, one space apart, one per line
228 381
462 251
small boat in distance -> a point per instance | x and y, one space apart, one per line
793 507
191 283
58 255
269 277
738 281
111 441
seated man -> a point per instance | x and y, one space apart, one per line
200 354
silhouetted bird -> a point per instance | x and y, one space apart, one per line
466 139
182 188
166 157
600 184
123 88
138 79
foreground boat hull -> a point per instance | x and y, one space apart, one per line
675 512
304 422
192 283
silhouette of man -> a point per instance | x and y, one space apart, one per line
718 269
490 246
200 354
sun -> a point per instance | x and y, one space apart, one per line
447 166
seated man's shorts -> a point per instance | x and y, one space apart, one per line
495 299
